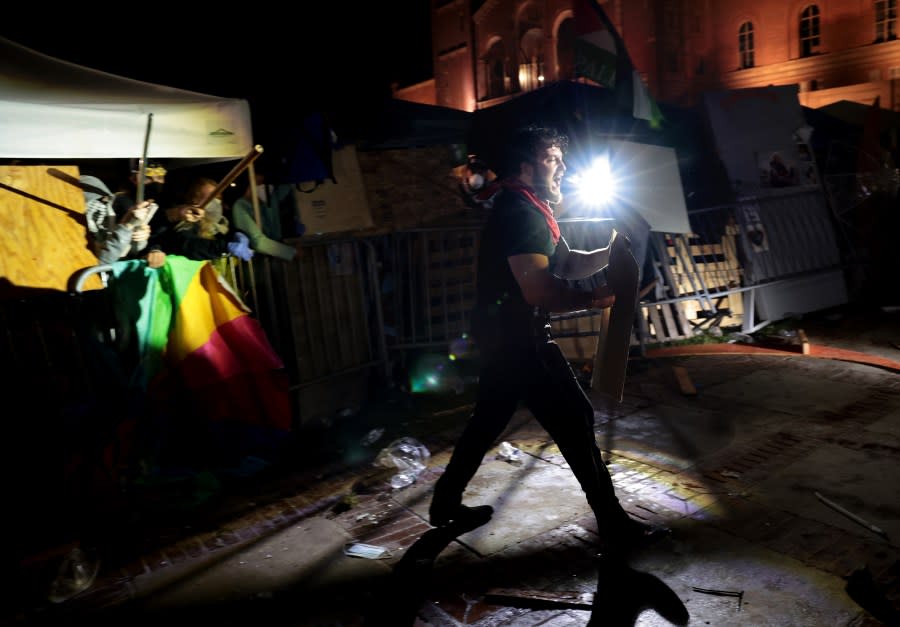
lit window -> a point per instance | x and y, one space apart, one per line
745 45
809 30
885 20
531 65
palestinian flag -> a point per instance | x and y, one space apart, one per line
601 56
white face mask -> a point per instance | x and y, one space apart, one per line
214 210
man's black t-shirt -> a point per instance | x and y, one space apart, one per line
515 227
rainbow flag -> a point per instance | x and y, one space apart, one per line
193 334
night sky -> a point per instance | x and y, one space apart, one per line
339 58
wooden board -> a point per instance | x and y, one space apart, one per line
42 231
611 359
684 381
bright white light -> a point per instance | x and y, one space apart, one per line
596 186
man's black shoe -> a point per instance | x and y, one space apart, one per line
461 515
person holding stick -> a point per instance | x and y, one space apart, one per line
111 237
197 229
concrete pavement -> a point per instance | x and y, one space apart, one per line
734 470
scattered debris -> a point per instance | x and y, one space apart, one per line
540 599
852 516
408 456
509 453
730 473
738 594
367 551
373 436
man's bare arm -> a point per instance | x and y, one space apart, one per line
542 289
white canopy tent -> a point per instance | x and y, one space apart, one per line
54 109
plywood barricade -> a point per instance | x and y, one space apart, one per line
42 230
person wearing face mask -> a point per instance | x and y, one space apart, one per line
113 238
200 233
154 188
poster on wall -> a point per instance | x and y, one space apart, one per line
777 168
757 133
756 231
786 167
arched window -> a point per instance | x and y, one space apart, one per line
885 20
565 49
745 45
495 64
531 67
809 31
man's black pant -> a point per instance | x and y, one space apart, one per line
538 374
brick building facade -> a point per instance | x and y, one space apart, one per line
486 51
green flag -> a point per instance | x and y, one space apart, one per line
601 56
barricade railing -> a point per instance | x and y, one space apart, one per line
354 303
322 310
429 285
708 279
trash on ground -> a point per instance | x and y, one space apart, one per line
366 551
408 456
373 436
540 599
852 516
509 453
738 594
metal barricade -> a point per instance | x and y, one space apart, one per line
414 290
322 311
429 285
709 277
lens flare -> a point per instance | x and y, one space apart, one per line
434 373
595 186
461 348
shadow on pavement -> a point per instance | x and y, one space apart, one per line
623 593
412 575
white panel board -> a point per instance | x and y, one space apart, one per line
647 179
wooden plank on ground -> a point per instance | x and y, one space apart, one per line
540 599
684 381
804 342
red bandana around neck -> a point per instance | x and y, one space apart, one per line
516 185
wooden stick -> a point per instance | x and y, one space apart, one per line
852 516
236 171
142 166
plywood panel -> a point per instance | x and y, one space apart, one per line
42 230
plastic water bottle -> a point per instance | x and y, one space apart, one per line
509 453
401 480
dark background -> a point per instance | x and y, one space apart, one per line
338 58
